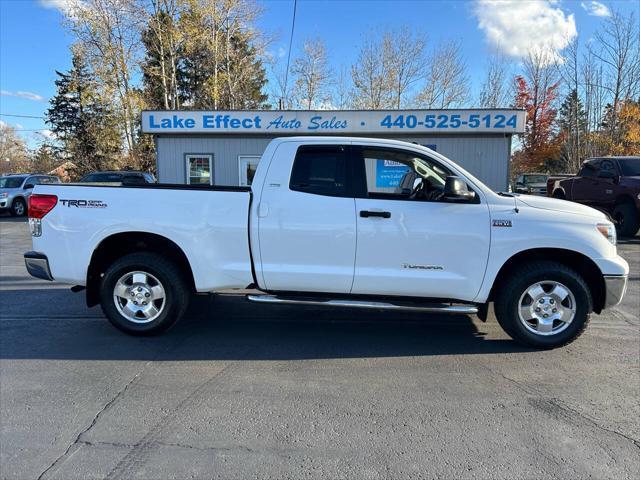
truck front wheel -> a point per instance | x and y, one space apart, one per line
627 219
143 294
543 304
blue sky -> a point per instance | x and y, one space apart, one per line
34 43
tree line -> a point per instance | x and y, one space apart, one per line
130 55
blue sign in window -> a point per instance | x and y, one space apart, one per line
389 173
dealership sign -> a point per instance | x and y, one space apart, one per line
329 122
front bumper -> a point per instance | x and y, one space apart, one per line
37 265
616 286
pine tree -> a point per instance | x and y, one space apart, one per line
221 68
573 129
82 122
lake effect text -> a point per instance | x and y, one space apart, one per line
223 121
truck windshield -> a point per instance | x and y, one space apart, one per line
535 178
630 166
11 182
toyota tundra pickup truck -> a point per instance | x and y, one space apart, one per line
324 223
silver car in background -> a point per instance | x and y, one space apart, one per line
16 189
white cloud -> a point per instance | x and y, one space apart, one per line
516 27
66 7
28 95
596 9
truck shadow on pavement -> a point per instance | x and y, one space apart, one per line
231 328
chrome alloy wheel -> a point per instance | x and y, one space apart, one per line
547 308
19 208
139 297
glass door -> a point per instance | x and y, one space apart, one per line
247 165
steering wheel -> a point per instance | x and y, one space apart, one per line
426 191
420 189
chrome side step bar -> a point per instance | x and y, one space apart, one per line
433 308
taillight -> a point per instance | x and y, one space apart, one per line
40 204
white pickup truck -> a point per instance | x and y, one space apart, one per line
349 222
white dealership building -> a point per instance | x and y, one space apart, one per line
224 147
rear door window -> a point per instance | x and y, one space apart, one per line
590 169
321 170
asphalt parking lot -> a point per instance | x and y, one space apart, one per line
240 390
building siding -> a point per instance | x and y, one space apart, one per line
485 156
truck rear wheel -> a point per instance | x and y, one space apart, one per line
626 218
544 305
143 294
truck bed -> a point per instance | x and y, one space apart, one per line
208 223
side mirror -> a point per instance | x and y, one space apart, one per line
28 186
610 174
455 189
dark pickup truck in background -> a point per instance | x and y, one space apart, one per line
531 183
610 184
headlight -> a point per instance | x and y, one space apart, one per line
608 231
4 195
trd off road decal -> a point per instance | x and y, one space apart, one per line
84 203
501 223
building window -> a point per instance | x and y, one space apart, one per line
248 165
199 169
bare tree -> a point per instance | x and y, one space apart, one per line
341 98
281 94
405 54
569 71
313 74
447 83
495 91
13 151
162 40
594 95
540 81
372 78
617 46
109 30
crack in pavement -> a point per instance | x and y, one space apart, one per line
68 452
243 448
562 405
73 446
140 452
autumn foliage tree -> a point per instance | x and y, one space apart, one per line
538 146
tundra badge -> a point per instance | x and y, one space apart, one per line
502 223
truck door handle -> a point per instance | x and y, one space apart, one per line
367 213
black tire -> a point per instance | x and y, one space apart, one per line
508 297
176 293
626 219
19 208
